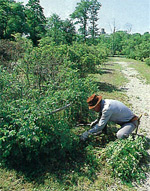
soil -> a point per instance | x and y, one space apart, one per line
138 93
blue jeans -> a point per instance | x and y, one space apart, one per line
127 129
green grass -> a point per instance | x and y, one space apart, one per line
83 173
110 80
141 67
85 177
12 182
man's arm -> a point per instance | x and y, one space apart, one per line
106 114
102 122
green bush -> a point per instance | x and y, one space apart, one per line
44 79
29 129
26 132
83 58
147 61
136 46
125 157
9 53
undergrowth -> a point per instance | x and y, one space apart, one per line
126 158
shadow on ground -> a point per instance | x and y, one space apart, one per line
102 71
106 87
106 71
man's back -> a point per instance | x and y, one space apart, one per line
117 111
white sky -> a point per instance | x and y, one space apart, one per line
133 12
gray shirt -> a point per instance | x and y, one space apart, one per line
112 110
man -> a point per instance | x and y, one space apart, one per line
110 110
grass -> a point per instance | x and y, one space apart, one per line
11 180
110 80
50 184
82 173
141 67
84 177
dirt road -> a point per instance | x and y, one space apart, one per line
139 96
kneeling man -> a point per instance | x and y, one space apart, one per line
110 110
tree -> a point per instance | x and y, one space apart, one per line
35 20
117 40
81 13
54 27
94 8
128 27
17 19
68 31
60 31
4 12
12 18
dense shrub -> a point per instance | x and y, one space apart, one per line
84 58
136 46
38 84
80 57
29 129
9 53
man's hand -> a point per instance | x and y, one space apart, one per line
98 133
84 136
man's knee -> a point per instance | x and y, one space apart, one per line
121 135
125 131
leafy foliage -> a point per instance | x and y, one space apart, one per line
29 20
37 85
84 58
35 20
93 29
125 158
81 14
60 32
12 18
147 60
87 11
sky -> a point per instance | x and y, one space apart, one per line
123 14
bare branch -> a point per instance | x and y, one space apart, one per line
62 108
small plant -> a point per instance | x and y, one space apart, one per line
125 158
147 61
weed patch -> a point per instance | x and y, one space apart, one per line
125 158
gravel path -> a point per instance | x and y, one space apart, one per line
138 93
